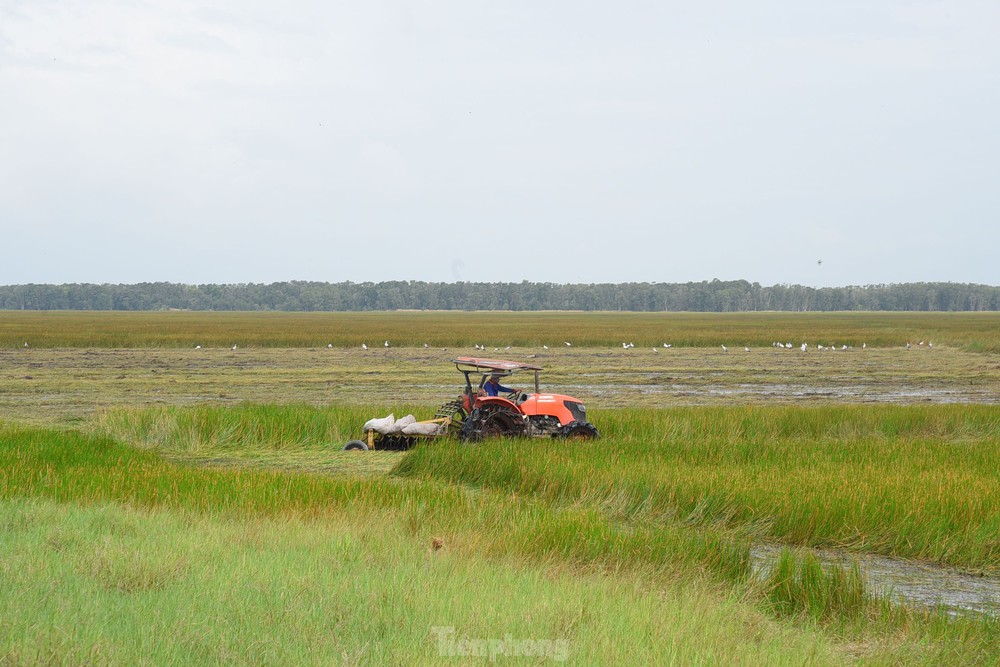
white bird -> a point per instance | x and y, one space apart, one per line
569 344
26 344
507 348
930 344
234 346
197 347
668 345
788 345
725 349
920 343
387 345
746 349
329 346
864 345
624 346
364 346
426 346
804 347
907 346
545 347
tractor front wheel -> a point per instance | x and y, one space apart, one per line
579 431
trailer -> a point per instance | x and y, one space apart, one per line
376 440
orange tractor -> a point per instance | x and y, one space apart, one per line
477 415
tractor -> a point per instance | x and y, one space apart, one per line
476 415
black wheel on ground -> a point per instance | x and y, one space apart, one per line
356 446
580 431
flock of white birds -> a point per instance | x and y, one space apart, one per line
627 346
666 346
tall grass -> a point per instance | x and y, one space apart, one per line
72 467
216 429
802 586
907 481
589 533
105 584
916 482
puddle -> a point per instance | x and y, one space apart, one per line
905 581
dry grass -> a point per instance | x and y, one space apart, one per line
975 331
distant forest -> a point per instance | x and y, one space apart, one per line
705 296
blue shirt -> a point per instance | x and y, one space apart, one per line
493 389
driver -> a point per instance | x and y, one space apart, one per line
493 386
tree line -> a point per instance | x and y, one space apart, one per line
705 296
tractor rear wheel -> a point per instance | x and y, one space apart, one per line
579 431
492 421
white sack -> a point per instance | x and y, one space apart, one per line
384 425
422 428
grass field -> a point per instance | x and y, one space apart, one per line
184 329
164 504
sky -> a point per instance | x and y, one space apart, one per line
250 141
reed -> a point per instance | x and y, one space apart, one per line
515 519
76 468
908 481
800 585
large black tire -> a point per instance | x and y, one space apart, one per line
579 431
492 421
457 413
356 446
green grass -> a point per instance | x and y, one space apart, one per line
646 562
801 586
68 467
916 482
111 585
59 329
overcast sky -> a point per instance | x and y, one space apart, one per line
256 141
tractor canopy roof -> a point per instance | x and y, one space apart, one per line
487 365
